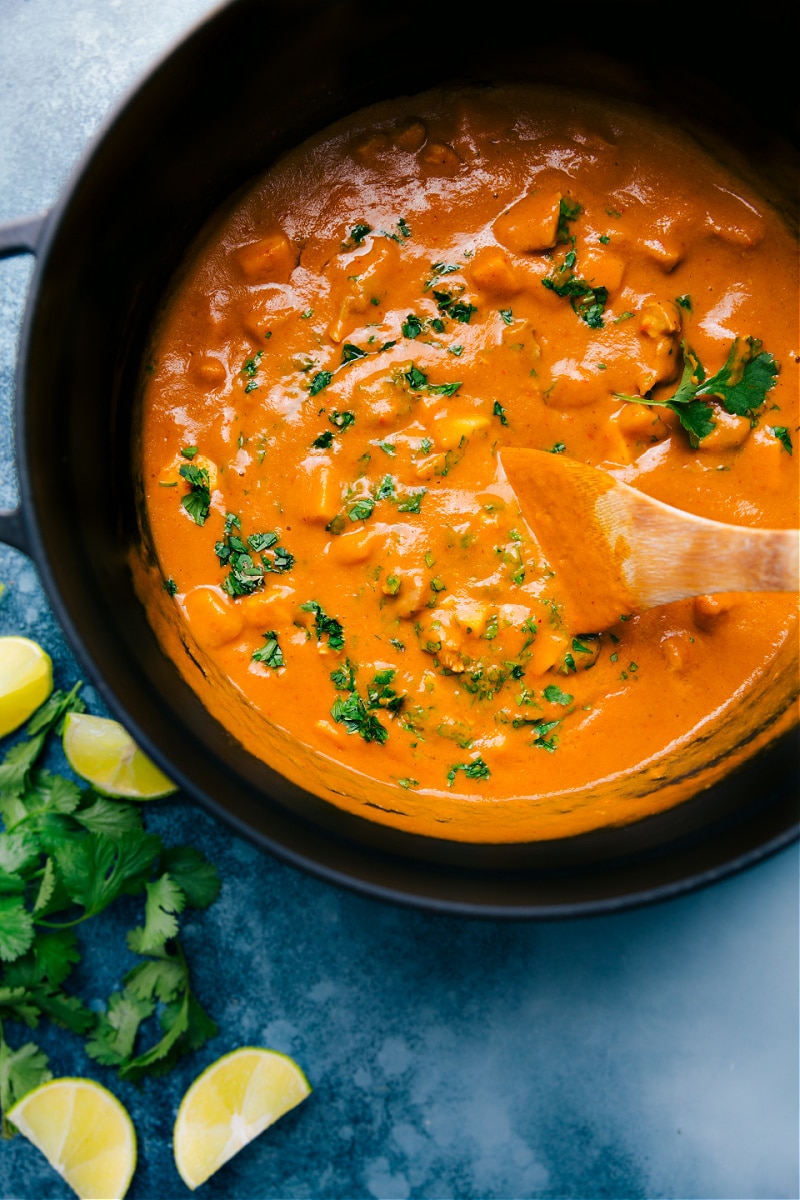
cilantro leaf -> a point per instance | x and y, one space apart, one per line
568 210
325 626
351 712
741 386
21 1071
16 928
165 902
194 874
743 381
500 412
319 382
270 654
476 769
115 1034
783 435
197 501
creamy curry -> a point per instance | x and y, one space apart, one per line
342 569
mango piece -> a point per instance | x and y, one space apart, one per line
269 260
531 224
491 272
215 620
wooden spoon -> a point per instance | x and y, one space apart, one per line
617 551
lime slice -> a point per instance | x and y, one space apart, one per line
232 1102
26 680
84 1132
104 753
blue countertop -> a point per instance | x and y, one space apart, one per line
650 1054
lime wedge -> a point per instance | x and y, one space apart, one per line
232 1102
83 1132
26 680
102 752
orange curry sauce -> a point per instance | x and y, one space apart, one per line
347 349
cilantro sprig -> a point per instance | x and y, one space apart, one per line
740 386
66 855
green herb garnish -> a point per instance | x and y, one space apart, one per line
740 386
325 626
476 769
197 501
270 654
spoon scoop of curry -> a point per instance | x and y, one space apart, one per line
617 551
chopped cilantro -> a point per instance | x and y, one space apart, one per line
170 587
568 210
554 695
344 678
319 382
357 235
605 239
251 365
438 269
404 227
587 300
325 626
408 783
387 448
476 769
684 301
499 411
415 378
342 420
323 442
385 489
783 435
579 648
197 502
270 654
412 501
443 389
558 448
413 326
189 452
351 352
507 315
362 509
352 713
449 305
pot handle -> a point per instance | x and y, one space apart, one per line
21 236
18 237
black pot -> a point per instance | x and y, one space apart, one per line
254 79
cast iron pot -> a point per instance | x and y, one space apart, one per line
254 79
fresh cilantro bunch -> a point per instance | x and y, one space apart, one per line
66 854
740 386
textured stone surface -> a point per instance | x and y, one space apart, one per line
652 1054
